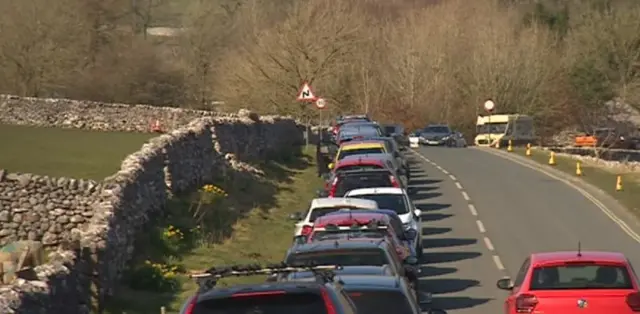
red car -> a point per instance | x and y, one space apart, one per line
573 283
360 226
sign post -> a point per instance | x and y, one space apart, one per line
321 104
489 106
306 94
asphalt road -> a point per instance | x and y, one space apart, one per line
520 211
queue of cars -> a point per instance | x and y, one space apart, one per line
355 249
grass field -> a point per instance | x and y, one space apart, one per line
604 179
262 235
66 152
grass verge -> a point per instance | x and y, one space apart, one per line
249 225
604 179
66 152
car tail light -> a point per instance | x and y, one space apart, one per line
306 230
334 187
525 303
633 301
327 302
335 130
191 306
394 181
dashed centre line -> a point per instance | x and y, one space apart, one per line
496 259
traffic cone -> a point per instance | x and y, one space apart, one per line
619 183
528 151
510 147
552 159
578 168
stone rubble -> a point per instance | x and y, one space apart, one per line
94 224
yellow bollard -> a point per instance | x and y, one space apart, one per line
578 168
552 159
510 147
619 183
528 152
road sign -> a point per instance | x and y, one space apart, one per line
489 105
321 103
306 93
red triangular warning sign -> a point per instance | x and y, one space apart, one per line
306 93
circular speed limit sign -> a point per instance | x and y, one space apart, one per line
321 103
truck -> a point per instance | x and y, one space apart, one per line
502 128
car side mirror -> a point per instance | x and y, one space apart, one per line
505 284
330 166
297 216
411 260
410 234
417 212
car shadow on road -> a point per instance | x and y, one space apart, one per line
429 231
434 217
447 242
418 183
432 207
432 271
456 303
417 196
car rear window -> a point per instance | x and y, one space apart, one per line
349 234
353 257
394 202
321 211
295 303
363 151
580 276
362 181
380 301
358 167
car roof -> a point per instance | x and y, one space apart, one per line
383 270
335 245
378 156
437 125
361 145
370 282
343 201
226 292
359 160
538 259
387 190
345 218
388 212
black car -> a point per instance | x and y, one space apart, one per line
382 294
436 135
354 253
318 297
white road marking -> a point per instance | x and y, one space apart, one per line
472 209
489 245
481 226
498 262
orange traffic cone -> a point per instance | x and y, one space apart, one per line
156 127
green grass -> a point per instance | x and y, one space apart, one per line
260 236
66 152
604 179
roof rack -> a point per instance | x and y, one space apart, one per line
208 279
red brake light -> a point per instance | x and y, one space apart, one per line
257 294
334 187
394 182
355 294
525 303
191 306
633 301
327 302
306 230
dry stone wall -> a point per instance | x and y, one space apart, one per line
95 223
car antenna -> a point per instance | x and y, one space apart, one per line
579 249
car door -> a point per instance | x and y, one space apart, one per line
517 284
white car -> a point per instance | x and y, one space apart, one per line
322 206
398 200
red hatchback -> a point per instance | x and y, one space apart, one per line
359 226
573 283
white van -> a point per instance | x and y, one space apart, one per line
504 127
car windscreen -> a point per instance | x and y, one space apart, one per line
349 234
394 202
321 211
362 180
580 276
294 303
358 167
352 257
436 129
367 301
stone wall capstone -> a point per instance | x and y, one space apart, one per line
94 224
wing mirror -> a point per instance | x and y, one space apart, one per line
330 166
417 213
410 234
297 216
505 284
